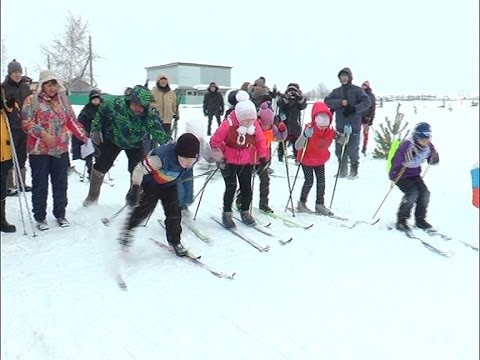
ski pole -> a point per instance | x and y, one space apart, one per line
296 176
288 175
392 185
20 184
205 183
107 221
347 130
202 190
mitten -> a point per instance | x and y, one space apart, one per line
133 196
349 110
308 132
434 159
347 129
410 157
263 164
205 112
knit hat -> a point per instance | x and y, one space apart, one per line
13 66
265 115
366 84
187 146
94 94
46 76
245 109
231 98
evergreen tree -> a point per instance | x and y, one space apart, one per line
386 135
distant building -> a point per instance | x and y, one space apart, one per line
78 91
190 81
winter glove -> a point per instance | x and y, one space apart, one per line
308 132
96 137
369 120
434 159
176 117
133 196
347 129
217 155
410 157
262 166
340 138
349 110
205 112
10 103
283 117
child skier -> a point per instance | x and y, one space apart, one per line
158 175
405 173
237 145
271 133
312 146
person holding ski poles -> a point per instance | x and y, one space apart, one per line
368 115
157 176
313 153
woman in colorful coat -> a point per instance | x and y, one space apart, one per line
48 120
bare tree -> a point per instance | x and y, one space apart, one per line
4 57
319 92
69 54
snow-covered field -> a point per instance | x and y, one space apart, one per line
332 293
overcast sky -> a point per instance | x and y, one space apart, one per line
401 47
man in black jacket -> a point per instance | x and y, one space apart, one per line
213 105
17 89
348 101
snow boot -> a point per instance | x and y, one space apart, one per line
353 170
63 222
423 224
247 218
180 250
96 182
42 225
5 226
402 225
322 209
265 208
302 207
227 220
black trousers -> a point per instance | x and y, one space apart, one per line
43 167
244 175
109 152
415 193
210 117
290 141
5 166
20 142
149 199
319 172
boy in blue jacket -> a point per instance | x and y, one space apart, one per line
406 173
158 175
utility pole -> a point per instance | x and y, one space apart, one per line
90 56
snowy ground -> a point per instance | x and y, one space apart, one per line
332 293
